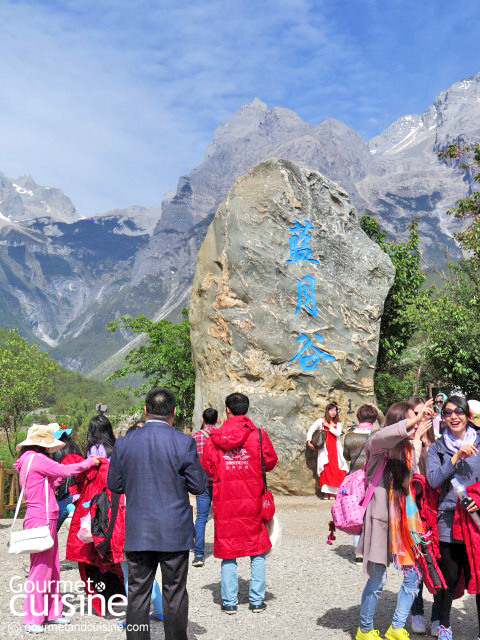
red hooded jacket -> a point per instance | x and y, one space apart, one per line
72 458
232 458
91 483
427 503
465 529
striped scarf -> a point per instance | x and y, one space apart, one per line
406 528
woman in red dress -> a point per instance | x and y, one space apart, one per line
331 465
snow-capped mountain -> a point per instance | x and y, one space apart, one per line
23 199
455 115
62 277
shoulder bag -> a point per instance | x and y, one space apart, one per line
318 438
353 498
36 539
268 503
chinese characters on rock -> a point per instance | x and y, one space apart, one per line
310 355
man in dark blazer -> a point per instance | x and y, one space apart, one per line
156 467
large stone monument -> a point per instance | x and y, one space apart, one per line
286 307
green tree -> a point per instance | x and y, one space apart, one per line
434 334
449 329
25 379
449 317
398 382
164 359
397 326
468 158
73 410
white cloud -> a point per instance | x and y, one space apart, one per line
112 101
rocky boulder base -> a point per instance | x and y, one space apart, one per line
286 307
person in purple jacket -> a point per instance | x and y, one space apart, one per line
100 438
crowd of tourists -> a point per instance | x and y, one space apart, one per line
415 465
412 465
152 469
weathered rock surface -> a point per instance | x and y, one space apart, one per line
286 312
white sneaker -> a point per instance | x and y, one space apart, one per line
33 628
418 624
434 628
62 620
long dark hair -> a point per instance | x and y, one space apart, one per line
35 448
100 432
397 473
327 409
70 447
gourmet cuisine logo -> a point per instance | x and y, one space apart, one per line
69 598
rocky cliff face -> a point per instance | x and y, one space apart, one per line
57 280
285 307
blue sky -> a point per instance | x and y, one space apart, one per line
112 100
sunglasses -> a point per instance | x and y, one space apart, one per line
458 411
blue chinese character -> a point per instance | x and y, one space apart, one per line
310 356
299 249
306 296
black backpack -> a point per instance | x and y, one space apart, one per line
103 520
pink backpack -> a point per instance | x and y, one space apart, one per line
352 499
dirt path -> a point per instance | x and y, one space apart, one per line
313 590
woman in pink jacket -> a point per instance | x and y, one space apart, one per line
45 566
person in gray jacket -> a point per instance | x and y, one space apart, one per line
454 455
390 449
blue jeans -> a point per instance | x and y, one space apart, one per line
62 510
376 581
204 500
155 598
229 586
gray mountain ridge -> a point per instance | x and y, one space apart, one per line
23 199
63 276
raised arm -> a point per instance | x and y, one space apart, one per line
387 437
381 417
417 448
54 469
336 429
